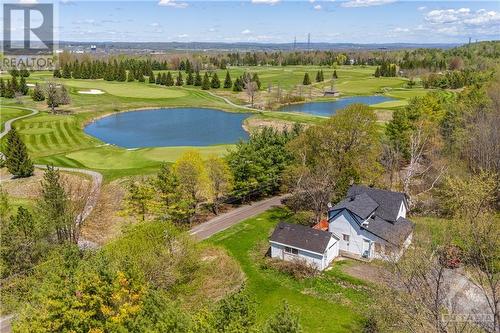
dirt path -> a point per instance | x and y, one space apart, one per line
231 103
224 221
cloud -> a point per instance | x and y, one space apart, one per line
317 7
246 32
266 2
365 3
154 24
28 1
172 3
422 8
182 36
399 29
463 16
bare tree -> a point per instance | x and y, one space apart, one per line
250 87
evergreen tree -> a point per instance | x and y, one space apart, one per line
38 94
206 82
188 66
198 80
140 77
238 84
318 77
284 321
377 72
335 74
255 78
57 73
66 73
151 77
179 81
215 81
121 73
17 159
130 77
182 66
306 81
2 87
14 72
23 87
190 78
322 76
163 80
9 91
14 84
169 80
228 83
158 78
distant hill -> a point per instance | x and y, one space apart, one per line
199 46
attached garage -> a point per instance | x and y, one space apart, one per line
293 242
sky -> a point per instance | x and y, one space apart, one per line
279 21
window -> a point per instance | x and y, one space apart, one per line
345 237
291 250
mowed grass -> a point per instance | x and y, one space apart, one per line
332 302
7 113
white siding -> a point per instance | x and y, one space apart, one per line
402 210
344 224
319 261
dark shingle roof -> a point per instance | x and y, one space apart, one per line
299 236
389 202
395 233
361 205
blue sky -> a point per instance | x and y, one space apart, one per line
357 21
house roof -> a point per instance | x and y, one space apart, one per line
321 225
395 233
389 202
360 204
302 237
380 209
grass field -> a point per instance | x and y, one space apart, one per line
332 302
7 113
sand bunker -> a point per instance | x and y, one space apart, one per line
91 92
30 85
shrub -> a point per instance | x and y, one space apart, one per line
298 269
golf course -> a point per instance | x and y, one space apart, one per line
59 138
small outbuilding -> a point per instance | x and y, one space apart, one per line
294 242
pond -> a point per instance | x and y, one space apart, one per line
329 108
169 127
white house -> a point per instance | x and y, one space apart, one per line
294 242
371 223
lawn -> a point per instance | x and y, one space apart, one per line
331 302
7 113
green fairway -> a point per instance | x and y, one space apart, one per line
332 302
7 113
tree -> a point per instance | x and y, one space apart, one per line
38 94
151 78
9 91
255 78
250 87
206 82
139 200
163 80
66 72
238 84
55 208
179 81
169 81
377 72
198 80
130 76
220 180
318 77
23 87
190 78
235 313
17 160
52 95
215 83
2 87
330 156
228 83
63 96
335 74
257 165
193 180
57 73
284 321
306 81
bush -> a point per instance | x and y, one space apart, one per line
298 269
450 257
304 217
